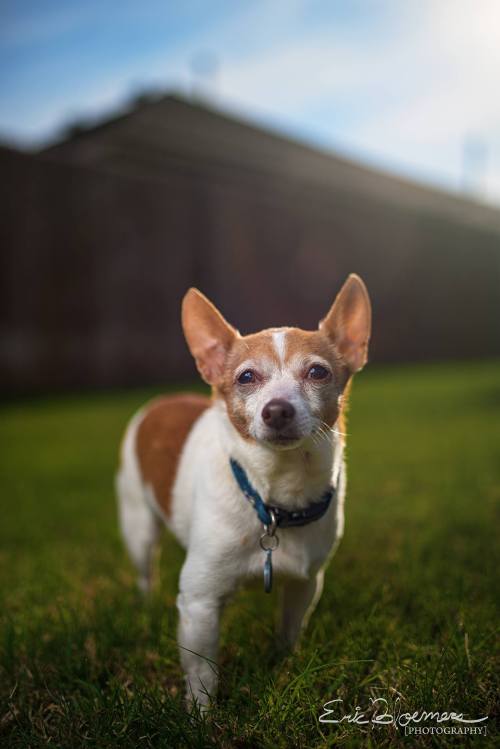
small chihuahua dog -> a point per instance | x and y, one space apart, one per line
250 480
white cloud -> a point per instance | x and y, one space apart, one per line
403 92
455 70
429 82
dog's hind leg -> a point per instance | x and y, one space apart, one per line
299 600
140 525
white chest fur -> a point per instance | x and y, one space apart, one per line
215 522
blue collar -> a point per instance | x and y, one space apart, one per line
284 518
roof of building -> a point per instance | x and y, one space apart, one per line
171 132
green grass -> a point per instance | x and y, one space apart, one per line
409 607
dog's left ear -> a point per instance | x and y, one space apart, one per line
348 323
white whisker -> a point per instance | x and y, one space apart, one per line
334 430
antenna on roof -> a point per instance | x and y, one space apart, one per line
204 67
474 163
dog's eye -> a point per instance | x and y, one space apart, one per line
317 372
246 377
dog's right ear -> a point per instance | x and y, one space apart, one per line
208 335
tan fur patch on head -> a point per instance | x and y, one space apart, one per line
315 346
257 350
288 352
281 385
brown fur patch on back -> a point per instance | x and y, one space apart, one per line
160 439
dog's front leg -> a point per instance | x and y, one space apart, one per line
299 601
205 583
198 638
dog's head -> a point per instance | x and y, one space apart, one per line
281 385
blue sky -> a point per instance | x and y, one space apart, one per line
409 86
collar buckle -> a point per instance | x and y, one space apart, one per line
270 528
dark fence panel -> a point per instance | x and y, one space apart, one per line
94 266
280 253
93 271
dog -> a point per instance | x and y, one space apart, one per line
252 480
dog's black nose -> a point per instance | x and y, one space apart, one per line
277 413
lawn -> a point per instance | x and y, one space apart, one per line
409 610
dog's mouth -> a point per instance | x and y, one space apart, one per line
283 441
285 437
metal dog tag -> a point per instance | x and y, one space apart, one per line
268 571
268 543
